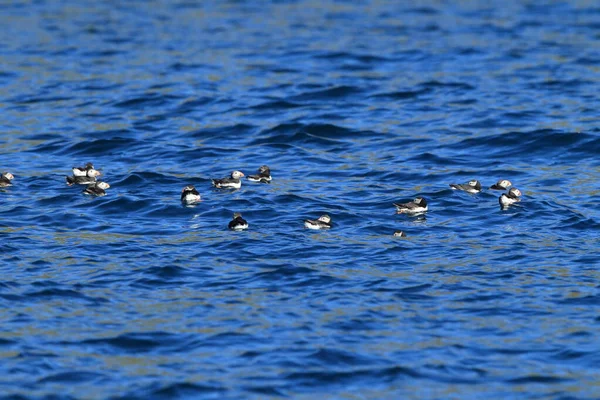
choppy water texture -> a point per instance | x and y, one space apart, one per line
354 107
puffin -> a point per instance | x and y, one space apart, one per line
473 186
507 199
238 223
502 184
233 182
417 206
5 179
83 171
324 222
96 189
189 195
264 175
88 179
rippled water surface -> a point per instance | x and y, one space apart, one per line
354 107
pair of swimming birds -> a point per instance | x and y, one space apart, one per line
238 223
324 222
506 199
234 181
87 175
190 195
419 204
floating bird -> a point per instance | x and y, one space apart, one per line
506 199
97 189
264 175
417 206
238 223
502 184
399 234
233 182
84 171
189 195
473 186
5 179
324 222
88 179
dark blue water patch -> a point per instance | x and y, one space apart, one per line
176 390
181 66
338 358
452 86
132 343
538 143
275 105
562 85
167 272
588 61
72 377
401 95
26 100
143 178
332 378
99 147
334 93
265 390
290 276
184 390
426 10
313 134
103 53
96 86
538 379
149 100
580 301
365 59
7 342
434 159
55 293
191 105
224 133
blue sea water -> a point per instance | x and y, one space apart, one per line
354 106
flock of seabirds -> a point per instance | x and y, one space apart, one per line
87 175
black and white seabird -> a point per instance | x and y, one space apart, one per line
324 222
399 234
473 186
80 180
84 171
417 206
189 195
86 179
264 175
506 199
238 223
96 189
5 179
233 182
502 184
